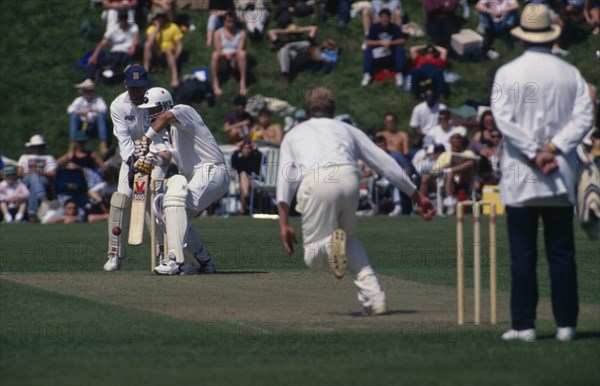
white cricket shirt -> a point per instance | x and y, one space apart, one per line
129 123
314 148
192 141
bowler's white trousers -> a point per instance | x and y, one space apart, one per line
327 201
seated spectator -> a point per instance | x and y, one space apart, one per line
591 12
425 115
246 160
440 24
13 196
457 166
402 202
112 8
123 40
39 171
385 49
285 10
255 14
87 113
265 130
486 125
81 158
489 168
396 140
333 7
371 15
293 48
497 17
425 158
217 10
167 5
428 62
101 194
440 133
229 54
164 42
70 213
238 123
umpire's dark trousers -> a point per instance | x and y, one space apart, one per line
560 250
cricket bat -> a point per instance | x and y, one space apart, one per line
138 209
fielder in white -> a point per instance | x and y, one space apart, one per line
130 123
318 164
203 179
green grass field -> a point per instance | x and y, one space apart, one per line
266 319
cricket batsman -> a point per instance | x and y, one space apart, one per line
203 178
130 123
318 165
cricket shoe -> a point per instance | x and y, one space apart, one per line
527 335
565 333
168 267
374 310
113 263
337 255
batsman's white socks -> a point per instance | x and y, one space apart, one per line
176 216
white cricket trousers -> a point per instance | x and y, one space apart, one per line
206 184
327 201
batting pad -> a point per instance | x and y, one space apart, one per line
176 216
120 208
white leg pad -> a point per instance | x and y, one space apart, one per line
176 217
120 209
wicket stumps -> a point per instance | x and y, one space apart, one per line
157 187
476 259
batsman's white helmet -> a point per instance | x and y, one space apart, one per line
157 97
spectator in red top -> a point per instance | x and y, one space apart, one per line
429 62
440 20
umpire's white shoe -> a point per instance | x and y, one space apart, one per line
527 335
565 333
168 267
337 255
113 263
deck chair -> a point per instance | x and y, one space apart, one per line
266 182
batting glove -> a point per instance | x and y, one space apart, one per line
147 163
141 147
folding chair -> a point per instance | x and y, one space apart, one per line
267 180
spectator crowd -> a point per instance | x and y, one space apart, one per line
448 154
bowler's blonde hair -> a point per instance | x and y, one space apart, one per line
319 103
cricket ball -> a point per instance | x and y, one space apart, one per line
116 230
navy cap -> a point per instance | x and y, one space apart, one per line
136 76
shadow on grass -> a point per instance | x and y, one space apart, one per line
388 313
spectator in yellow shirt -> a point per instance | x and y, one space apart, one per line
164 40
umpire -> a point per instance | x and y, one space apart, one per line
542 107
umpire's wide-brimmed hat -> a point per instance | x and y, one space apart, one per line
536 25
